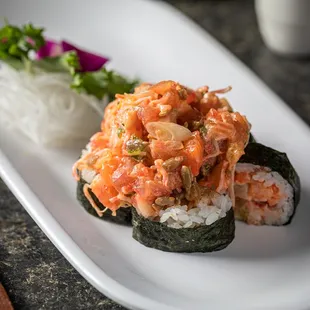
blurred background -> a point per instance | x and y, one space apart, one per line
38 276
234 24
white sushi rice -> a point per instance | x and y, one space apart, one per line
208 211
279 214
87 175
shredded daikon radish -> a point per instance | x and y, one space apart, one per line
44 108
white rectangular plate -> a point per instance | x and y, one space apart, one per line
264 268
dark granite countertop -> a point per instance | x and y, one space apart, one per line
34 273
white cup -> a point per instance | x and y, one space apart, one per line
285 25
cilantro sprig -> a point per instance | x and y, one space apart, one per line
98 83
17 43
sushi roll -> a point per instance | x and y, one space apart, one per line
168 154
193 159
267 187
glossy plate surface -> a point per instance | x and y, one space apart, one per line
264 268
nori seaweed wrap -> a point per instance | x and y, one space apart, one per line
267 187
204 238
123 215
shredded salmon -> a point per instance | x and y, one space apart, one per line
130 164
87 194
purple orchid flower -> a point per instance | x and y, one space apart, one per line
88 61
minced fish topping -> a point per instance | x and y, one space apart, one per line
163 150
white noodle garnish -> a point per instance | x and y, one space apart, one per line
44 108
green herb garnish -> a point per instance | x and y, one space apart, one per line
203 130
102 82
98 83
17 44
65 63
120 131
